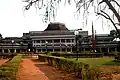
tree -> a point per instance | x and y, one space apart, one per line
108 9
114 34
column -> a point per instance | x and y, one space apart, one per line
41 49
14 50
2 50
71 45
108 50
65 46
36 50
8 50
53 45
53 50
60 46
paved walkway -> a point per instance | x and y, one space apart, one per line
28 71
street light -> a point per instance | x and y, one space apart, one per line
12 47
76 40
46 46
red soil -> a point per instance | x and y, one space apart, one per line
28 71
32 69
3 61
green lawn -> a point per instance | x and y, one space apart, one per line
98 61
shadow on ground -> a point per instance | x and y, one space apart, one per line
53 73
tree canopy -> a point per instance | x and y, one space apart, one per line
109 9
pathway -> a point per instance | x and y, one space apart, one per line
32 69
28 71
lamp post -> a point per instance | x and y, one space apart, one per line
76 41
12 47
46 46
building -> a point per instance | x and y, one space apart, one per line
57 38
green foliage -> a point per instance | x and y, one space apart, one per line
95 62
8 71
116 53
80 69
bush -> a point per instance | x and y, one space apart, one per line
80 69
8 71
116 53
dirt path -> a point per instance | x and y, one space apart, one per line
107 70
54 74
28 71
2 61
32 69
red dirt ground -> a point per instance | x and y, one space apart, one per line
2 61
108 70
31 69
28 71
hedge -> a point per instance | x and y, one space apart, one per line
8 71
80 69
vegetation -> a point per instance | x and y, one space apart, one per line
96 61
80 69
85 68
8 71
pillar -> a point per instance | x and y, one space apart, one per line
53 45
53 50
36 50
108 50
65 46
3 51
41 49
60 46
71 44
8 50
66 49
14 50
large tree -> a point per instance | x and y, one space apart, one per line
108 9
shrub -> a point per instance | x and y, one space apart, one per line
8 71
80 69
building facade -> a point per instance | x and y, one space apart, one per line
57 38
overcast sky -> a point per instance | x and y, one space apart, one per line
13 23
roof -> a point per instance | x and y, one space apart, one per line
56 26
56 32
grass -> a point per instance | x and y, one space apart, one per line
98 61
8 71
106 65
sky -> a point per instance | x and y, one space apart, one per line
14 22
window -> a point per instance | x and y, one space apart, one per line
72 40
57 40
43 41
67 40
62 40
49 41
38 41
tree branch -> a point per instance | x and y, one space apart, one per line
116 2
112 9
101 2
108 17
